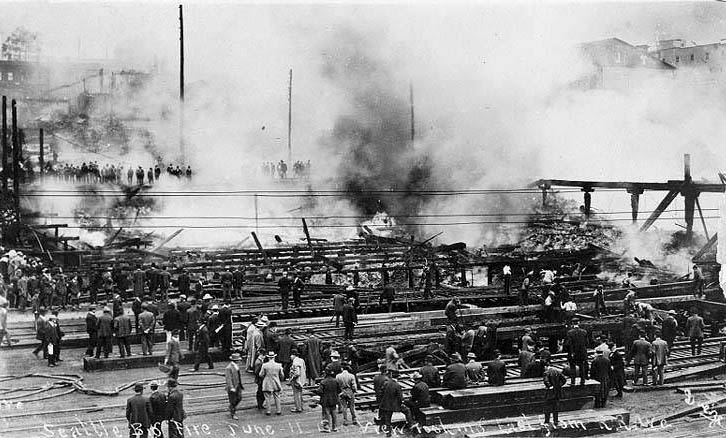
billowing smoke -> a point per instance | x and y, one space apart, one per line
373 135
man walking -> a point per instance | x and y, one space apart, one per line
233 383
202 347
173 356
640 353
147 322
348 388
271 375
298 377
669 329
138 413
695 327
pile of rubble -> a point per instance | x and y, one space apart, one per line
566 236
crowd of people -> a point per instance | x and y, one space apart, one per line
279 170
92 172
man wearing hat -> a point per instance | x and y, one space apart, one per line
173 354
138 280
271 375
147 323
105 333
640 354
283 286
576 346
175 410
392 401
600 371
202 347
669 329
238 279
420 398
298 377
233 383
335 364
255 341
192 323
206 303
455 374
122 329
348 388
52 337
297 288
350 319
473 369
259 360
553 381
138 413
429 373
92 330
182 306
158 409
328 391
215 326
660 351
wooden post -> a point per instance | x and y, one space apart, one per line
289 121
690 195
16 157
182 150
635 203
5 143
703 220
588 201
41 154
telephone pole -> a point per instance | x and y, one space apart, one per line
181 84
289 120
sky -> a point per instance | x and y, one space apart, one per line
490 80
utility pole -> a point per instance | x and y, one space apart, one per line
5 143
181 84
16 157
41 153
413 126
289 120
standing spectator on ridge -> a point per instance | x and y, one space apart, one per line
298 285
669 329
338 303
105 334
698 277
600 371
92 330
350 319
695 327
147 323
122 329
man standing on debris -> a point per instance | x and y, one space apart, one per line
164 278
576 345
298 285
669 329
226 279
138 413
507 277
283 286
659 352
284 348
698 278
695 327
184 282
233 383
313 361
338 303
524 290
640 354
122 329
430 374
147 323
238 279
92 330
599 297
554 380
225 334
387 294
600 371
350 319
105 333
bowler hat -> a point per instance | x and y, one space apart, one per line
171 383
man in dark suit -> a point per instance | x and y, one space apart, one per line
430 374
455 374
284 347
600 371
175 410
328 391
138 413
202 348
640 354
158 410
695 327
105 334
553 381
576 344
238 279
350 319
420 398
391 400
669 329
497 370
233 383
92 330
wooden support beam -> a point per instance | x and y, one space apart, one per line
660 209
168 239
307 234
703 220
588 201
711 242
259 246
635 203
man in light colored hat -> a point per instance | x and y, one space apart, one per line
233 383
419 399
271 375
669 329
254 343
473 369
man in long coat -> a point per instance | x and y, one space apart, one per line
272 376
255 341
313 360
175 410
600 371
660 352
138 413
202 347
